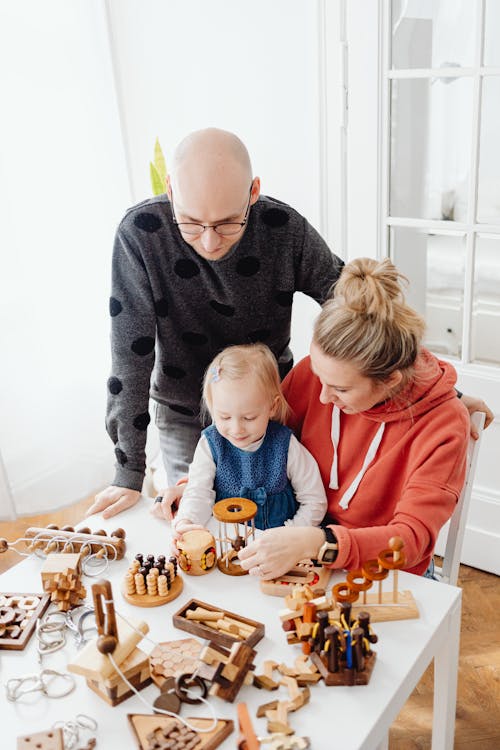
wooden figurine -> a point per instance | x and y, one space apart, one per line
155 732
234 512
197 554
151 581
61 578
19 614
119 640
218 625
305 572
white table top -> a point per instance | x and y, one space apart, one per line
356 717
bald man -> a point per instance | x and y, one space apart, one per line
210 263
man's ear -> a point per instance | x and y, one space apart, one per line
254 195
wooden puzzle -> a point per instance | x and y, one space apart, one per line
217 624
150 581
19 614
154 732
234 512
305 572
67 539
52 739
227 670
197 553
172 658
61 578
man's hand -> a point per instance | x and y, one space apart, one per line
473 404
113 500
167 508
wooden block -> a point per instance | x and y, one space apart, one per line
114 690
265 707
254 629
52 739
60 562
96 666
339 678
143 725
405 609
241 656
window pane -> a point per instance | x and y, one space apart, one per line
435 267
488 198
485 341
492 33
433 33
431 121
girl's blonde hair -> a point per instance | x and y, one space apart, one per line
368 322
237 362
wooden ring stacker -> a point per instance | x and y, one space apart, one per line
197 555
355 584
342 592
393 558
371 571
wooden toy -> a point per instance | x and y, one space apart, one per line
341 649
120 640
150 581
305 572
61 577
217 625
248 740
227 670
19 614
52 539
155 732
172 658
235 512
52 739
197 554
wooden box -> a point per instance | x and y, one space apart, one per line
255 629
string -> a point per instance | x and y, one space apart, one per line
147 703
59 543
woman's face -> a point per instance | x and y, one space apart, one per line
342 383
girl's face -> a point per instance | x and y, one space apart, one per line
342 383
241 410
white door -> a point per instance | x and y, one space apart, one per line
423 187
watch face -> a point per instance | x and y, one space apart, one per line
329 556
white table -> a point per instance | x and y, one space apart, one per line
347 717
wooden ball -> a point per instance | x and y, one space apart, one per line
396 543
106 644
119 533
4 545
101 532
52 526
67 528
84 530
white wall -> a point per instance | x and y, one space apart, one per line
63 188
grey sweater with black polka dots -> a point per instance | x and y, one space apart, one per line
172 310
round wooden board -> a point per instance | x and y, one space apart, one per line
146 600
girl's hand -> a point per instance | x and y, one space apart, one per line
180 528
276 551
166 507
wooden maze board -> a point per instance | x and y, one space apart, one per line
180 621
143 727
17 644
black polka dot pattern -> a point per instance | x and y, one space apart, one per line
147 222
141 421
115 386
275 217
143 345
115 307
284 299
225 310
181 410
174 372
248 266
121 457
260 335
186 269
194 339
161 308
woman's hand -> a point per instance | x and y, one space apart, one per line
276 551
473 404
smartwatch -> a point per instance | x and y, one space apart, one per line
329 550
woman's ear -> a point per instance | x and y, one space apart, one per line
394 379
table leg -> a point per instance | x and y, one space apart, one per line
445 683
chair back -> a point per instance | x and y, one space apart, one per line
451 535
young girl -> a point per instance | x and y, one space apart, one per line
248 451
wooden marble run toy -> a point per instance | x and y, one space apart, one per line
92 546
61 579
305 572
197 553
119 640
234 512
19 614
150 581
155 732
218 625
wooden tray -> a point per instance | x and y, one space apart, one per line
211 634
143 724
17 644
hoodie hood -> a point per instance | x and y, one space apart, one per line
432 384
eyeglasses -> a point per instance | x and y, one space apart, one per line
226 229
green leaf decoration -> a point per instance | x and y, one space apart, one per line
159 162
157 183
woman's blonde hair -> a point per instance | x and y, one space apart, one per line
368 322
237 362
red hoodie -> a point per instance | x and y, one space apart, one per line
408 455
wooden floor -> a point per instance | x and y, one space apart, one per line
478 707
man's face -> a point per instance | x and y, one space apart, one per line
211 208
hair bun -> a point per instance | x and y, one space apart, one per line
371 288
